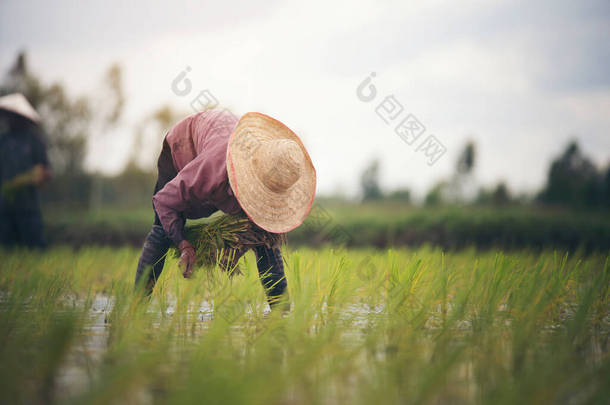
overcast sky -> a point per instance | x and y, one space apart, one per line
518 78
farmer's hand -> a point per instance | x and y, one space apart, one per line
187 258
36 176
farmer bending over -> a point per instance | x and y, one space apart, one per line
212 161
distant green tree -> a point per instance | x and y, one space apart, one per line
499 195
573 180
466 160
436 195
369 182
483 196
402 194
606 187
148 137
112 94
461 186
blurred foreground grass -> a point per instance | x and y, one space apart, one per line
366 326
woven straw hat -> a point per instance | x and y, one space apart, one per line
270 173
18 104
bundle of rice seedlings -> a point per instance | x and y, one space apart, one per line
226 239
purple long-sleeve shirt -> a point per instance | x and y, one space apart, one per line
198 147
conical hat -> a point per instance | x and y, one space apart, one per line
270 173
18 104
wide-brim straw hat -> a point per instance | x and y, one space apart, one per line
16 103
270 172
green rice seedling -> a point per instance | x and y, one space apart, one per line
225 239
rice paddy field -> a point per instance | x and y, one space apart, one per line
366 326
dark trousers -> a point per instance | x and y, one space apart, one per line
21 229
269 261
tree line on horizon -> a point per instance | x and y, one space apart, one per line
573 180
